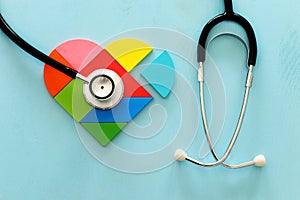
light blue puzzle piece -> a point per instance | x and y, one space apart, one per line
161 74
125 111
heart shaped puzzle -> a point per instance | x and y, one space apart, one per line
85 57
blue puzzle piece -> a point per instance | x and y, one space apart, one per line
161 74
125 111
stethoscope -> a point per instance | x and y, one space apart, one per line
228 15
104 89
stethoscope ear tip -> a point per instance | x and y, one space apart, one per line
259 160
180 155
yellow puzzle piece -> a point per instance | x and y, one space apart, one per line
129 52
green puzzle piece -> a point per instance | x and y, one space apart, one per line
72 100
104 132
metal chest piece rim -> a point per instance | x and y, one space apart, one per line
104 89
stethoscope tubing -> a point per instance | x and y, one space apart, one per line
11 34
228 15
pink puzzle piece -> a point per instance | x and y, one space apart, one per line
75 51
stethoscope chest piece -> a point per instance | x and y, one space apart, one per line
104 89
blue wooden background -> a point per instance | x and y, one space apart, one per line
42 156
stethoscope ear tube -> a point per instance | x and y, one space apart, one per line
33 51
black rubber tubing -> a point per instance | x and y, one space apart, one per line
11 34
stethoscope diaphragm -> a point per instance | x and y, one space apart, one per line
104 89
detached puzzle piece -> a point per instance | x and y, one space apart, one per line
161 74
